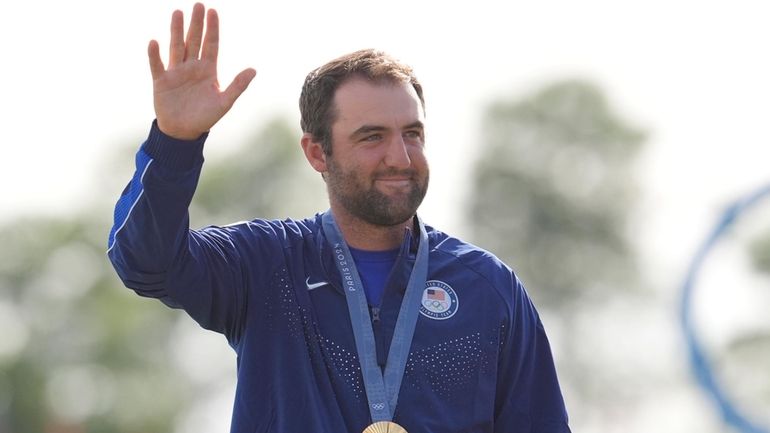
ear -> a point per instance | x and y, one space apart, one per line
314 152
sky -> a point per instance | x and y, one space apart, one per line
692 75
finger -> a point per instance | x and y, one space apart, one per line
239 84
195 32
211 40
176 47
156 64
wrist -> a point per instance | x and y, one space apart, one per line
178 133
172 152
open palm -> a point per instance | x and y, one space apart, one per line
188 100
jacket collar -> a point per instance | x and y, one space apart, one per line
402 267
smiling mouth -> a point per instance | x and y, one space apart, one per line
395 182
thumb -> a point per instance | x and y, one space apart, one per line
239 85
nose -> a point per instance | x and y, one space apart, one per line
397 155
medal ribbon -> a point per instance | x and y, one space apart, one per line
381 391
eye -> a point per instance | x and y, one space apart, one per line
413 135
373 137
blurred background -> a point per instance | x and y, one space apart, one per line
593 145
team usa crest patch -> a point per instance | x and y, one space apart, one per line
439 300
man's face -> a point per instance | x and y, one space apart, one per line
377 171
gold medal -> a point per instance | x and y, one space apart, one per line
384 427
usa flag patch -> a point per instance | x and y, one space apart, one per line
439 300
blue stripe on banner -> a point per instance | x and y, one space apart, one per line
130 197
698 359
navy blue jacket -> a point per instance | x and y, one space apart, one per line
479 362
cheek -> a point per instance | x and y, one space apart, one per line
418 158
367 160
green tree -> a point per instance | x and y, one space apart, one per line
81 353
553 188
552 192
268 178
759 250
742 365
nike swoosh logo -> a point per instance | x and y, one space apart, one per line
313 286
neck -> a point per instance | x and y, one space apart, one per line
362 235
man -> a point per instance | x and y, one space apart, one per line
360 318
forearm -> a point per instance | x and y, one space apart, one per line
150 230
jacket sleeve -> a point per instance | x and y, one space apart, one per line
528 395
154 252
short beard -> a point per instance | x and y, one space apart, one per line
369 204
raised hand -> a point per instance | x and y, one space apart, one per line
187 97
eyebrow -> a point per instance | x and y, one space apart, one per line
366 129
415 125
